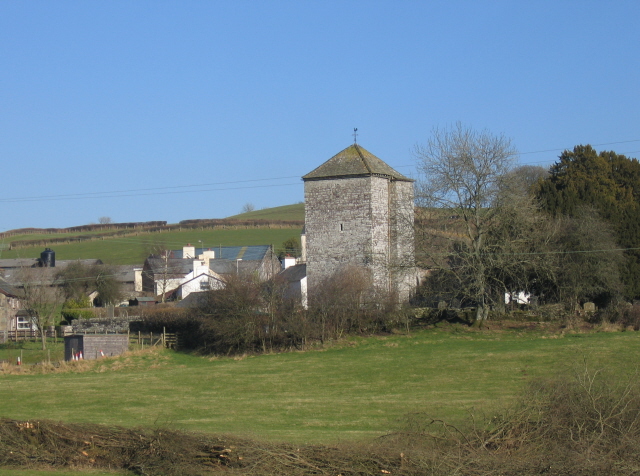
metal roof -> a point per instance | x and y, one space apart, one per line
18 263
354 161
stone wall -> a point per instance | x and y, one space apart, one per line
337 226
362 221
402 239
114 325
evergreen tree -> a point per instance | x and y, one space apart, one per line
610 184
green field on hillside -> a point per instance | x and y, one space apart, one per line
285 212
134 249
359 389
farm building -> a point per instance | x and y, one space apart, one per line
95 346
180 272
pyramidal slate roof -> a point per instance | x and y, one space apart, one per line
354 161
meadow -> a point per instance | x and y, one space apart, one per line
134 249
356 389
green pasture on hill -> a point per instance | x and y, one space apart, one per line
361 388
134 249
285 212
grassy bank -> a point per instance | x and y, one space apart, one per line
359 389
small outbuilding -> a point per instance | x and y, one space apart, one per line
94 346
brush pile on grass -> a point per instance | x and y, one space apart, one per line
582 424
47 444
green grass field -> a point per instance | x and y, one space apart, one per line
360 389
134 249
285 212
30 351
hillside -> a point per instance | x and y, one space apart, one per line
130 243
285 212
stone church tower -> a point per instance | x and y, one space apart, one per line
359 211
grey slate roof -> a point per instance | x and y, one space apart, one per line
18 263
124 272
227 266
7 289
193 300
354 161
256 252
294 273
173 267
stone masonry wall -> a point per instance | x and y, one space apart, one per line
337 226
380 232
362 221
113 325
402 250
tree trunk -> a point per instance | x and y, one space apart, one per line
482 314
43 337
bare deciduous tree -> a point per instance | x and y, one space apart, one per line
105 220
41 298
463 174
166 277
248 207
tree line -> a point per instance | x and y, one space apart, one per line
488 228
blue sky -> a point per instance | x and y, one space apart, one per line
173 110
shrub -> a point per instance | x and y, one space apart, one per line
77 309
71 314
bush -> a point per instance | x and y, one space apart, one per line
581 422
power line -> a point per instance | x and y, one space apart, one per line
84 197
524 253
89 194
170 190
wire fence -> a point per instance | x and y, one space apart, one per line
24 347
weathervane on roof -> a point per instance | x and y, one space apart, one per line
355 135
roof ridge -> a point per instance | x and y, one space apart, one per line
364 161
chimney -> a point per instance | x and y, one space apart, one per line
288 261
207 256
303 246
188 252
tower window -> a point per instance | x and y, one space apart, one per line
341 227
